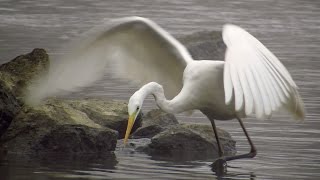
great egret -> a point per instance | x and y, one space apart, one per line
250 81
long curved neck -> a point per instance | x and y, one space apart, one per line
157 91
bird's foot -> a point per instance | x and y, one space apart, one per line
219 166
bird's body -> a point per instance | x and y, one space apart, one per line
203 79
250 81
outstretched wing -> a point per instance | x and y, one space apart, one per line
255 77
134 48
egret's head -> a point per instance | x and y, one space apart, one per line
134 107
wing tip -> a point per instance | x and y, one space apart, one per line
230 32
300 113
231 28
296 106
131 19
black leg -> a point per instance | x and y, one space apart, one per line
253 151
217 138
219 166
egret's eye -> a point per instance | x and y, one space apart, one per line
138 108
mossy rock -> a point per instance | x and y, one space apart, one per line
40 129
15 75
18 73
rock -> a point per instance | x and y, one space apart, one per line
9 107
133 145
84 139
56 126
84 123
188 142
154 122
111 114
205 45
206 131
171 140
14 77
19 72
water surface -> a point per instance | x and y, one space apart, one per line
289 28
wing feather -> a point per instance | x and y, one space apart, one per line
277 85
270 91
262 91
238 93
268 84
278 75
248 96
257 76
132 48
258 103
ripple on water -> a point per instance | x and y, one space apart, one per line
290 28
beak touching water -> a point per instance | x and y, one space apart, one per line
129 127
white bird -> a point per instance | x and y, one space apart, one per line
250 81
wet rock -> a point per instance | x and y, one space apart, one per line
56 126
173 141
84 139
133 145
14 77
205 45
188 142
206 132
154 122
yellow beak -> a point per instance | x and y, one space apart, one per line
129 127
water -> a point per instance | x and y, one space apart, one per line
290 28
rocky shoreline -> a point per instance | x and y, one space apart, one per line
77 126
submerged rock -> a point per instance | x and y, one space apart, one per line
53 161
133 145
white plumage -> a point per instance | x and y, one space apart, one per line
255 75
251 80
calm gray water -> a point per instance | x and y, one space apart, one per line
290 28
